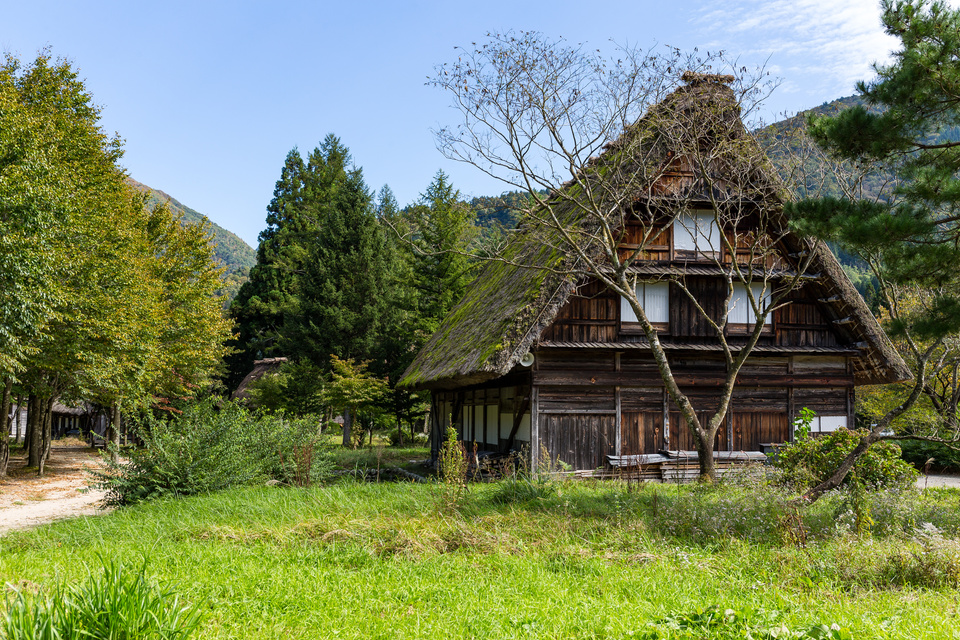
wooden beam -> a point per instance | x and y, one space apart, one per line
520 407
535 431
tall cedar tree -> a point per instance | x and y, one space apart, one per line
343 293
401 342
293 218
444 229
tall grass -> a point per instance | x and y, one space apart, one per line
112 604
578 560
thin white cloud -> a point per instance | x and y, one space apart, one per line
820 49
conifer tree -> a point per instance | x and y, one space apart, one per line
443 229
293 218
342 291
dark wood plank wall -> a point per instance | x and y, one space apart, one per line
592 315
583 387
802 324
686 321
582 441
751 429
658 246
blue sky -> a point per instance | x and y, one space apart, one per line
210 96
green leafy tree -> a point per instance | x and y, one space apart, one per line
126 293
353 390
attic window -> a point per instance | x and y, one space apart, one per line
740 311
654 299
696 231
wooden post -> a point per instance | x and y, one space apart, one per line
534 430
436 430
666 419
791 411
618 445
851 408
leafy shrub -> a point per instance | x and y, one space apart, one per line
211 447
809 460
112 605
917 452
453 461
419 439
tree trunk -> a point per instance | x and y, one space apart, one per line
19 420
5 408
708 467
44 424
399 430
347 423
34 427
115 433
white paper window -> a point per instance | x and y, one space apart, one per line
832 423
654 299
741 311
826 424
696 231
493 432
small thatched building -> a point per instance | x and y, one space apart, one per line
531 356
260 369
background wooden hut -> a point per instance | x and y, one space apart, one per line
260 369
531 357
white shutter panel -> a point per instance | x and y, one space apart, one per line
626 311
657 301
739 310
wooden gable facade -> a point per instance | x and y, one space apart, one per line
529 360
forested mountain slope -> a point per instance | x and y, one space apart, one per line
236 256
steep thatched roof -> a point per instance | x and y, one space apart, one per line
514 299
260 369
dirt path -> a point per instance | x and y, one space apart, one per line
28 501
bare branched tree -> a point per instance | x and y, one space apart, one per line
615 152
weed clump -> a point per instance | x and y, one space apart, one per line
112 605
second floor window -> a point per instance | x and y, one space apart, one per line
654 299
740 311
696 231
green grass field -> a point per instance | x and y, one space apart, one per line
565 560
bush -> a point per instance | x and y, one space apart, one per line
809 460
211 447
419 439
112 605
917 452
